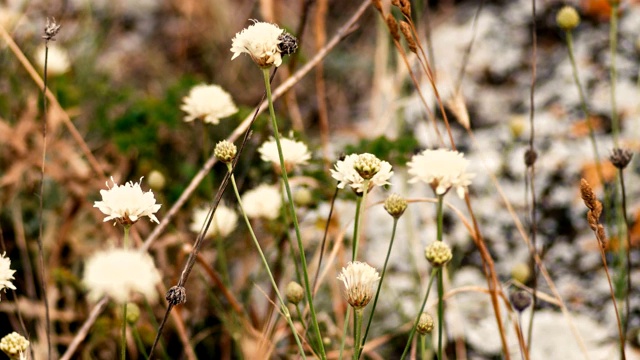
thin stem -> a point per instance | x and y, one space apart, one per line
613 45
628 254
344 331
375 299
440 217
283 305
303 260
613 300
43 284
222 260
123 337
422 344
424 302
324 239
139 343
357 332
356 230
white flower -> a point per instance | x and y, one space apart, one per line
208 102
14 345
223 223
346 174
442 169
260 41
294 152
118 272
58 61
6 274
262 202
127 203
358 279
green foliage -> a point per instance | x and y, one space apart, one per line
397 152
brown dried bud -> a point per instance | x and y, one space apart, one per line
176 295
586 192
395 3
520 300
530 157
600 235
51 29
620 158
406 31
377 4
405 7
393 27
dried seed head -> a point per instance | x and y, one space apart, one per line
406 31
176 295
377 4
425 324
395 3
530 157
520 300
586 192
392 24
620 158
288 43
568 18
225 151
395 205
294 292
405 7
51 29
438 253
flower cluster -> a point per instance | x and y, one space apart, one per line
127 203
358 279
294 153
345 171
223 223
441 169
260 41
118 273
438 253
208 102
264 201
14 345
6 274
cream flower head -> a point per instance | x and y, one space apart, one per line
262 202
208 102
6 274
294 153
346 173
119 272
127 203
260 41
358 279
14 345
442 169
224 221
58 61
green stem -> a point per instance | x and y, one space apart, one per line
423 346
356 230
384 269
303 260
344 331
283 305
424 302
222 260
139 343
123 340
440 216
613 45
125 241
357 329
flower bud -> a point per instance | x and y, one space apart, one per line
133 313
438 253
367 165
425 324
156 180
225 151
520 300
395 205
568 18
294 292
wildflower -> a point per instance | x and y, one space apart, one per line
358 279
395 205
568 18
118 273
225 151
127 203
51 29
262 202
224 221
58 61
294 153
261 41
438 253
441 169
294 292
346 173
6 274
208 102
14 345
425 324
